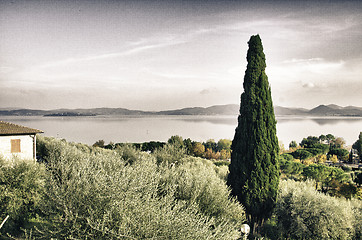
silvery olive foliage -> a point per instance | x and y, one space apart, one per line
94 193
304 213
22 185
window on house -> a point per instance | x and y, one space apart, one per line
15 146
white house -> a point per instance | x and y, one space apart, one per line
17 140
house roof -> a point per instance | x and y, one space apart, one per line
7 128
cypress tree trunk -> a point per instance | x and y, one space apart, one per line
254 169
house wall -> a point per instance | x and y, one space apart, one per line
26 146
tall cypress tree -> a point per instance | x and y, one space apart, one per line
254 169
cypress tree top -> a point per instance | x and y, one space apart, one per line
256 62
254 169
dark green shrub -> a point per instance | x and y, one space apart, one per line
292 168
324 147
152 146
314 151
309 141
341 153
293 144
301 154
325 175
287 156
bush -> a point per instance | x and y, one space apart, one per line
222 172
289 167
100 195
315 151
304 213
325 175
21 189
301 154
152 146
170 154
197 181
287 157
341 153
221 163
323 147
128 153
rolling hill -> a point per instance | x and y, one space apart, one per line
335 110
229 109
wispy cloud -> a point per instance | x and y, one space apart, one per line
173 74
310 60
136 47
315 65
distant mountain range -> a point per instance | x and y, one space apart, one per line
230 109
321 110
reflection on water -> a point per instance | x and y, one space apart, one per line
228 120
232 120
322 121
199 128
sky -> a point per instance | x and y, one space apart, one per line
159 55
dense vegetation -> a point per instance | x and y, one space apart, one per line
254 168
89 192
22 186
210 149
93 193
325 160
304 213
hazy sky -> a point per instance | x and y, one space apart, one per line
157 55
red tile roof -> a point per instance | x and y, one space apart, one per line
7 128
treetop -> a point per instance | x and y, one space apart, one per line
256 50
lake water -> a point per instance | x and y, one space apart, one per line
199 128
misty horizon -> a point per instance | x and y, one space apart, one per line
170 109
